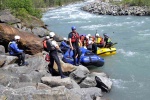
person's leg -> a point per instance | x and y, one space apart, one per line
74 56
50 65
79 54
56 59
19 58
94 48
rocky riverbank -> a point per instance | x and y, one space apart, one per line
34 82
105 8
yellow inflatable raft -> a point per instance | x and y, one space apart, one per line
106 51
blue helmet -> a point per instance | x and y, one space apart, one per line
105 35
73 28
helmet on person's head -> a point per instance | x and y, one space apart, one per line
65 38
105 35
17 37
73 28
47 37
89 35
51 34
96 34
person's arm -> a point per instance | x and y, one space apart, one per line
80 43
65 44
69 38
15 48
56 46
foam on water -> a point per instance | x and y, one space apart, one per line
118 83
127 53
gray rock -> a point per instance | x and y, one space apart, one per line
39 31
89 81
57 81
7 17
88 93
2 49
79 74
33 76
8 79
104 78
9 59
33 93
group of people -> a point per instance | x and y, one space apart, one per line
74 42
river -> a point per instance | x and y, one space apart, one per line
129 69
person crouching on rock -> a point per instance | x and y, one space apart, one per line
64 45
53 47
15 51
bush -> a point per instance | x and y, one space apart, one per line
137 2
22 7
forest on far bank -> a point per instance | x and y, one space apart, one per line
29 7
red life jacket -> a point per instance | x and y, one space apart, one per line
75 36
44 44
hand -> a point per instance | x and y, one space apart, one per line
71 48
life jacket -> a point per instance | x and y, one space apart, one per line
44 44
47 57
99 40
75 37
82 38
9 48
49 45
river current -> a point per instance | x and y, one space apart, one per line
129 69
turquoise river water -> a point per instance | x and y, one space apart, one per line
129 69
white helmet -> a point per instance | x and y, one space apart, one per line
65 38
89 34
47 37
51 34
96 34
17 37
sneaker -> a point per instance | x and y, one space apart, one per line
25 64
76 64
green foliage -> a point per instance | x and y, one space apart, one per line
21 7
137 2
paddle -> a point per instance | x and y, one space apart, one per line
114 44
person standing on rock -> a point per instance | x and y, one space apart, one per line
15 51
74 40
53 47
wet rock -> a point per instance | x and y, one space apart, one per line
103 81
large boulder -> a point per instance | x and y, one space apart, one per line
35 93
6 60
66 67
79 74
57 81
30 43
